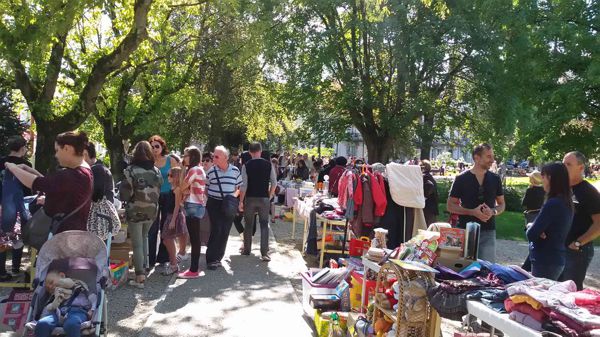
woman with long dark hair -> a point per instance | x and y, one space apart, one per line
549 231
195 204
140 190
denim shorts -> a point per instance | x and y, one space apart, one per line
194 210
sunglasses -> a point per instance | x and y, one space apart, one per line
480 195
156 146
206 160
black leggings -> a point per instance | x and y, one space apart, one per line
193 225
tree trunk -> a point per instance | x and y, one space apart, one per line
426 136
116 153
378 147
44 150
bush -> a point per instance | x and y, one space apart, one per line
512 194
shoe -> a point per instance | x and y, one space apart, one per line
170 270
134 283
265 258
188 274
244 253
181 258
213 265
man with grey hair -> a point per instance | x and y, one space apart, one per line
222 179
586 222
258 187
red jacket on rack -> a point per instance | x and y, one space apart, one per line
378 191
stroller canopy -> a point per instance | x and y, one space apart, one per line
71 244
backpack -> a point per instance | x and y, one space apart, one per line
140 189
103 219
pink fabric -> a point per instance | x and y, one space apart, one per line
525 308
345 188
588 299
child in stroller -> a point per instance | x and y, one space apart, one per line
69 305
71 276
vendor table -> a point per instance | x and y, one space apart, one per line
499 321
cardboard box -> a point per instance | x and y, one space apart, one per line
120 251
456 264
450 252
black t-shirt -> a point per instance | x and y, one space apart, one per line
534 198
586 200
17 161
471 194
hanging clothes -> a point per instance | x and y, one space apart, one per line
378 193
406 185
398 220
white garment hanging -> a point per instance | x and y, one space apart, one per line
406 185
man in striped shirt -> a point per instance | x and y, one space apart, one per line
221 180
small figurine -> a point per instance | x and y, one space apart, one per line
380 239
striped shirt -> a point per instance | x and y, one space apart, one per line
230 179
196 178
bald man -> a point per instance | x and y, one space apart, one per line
586 222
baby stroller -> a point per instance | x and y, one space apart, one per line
80 255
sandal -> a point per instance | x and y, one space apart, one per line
170 270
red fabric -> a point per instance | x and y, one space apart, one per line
378 196
66 190
588 299
358 194
344 191
334 178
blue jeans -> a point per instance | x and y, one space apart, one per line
194 210
577 264
12 204
487 245
71 325
549 271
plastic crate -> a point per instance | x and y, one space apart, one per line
309 288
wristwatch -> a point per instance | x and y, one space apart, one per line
577 243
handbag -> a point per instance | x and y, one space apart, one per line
38 228
103 219
230 204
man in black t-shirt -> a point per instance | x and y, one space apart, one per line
477 196
104 185
586 222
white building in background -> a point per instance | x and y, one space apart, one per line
355 146
458 149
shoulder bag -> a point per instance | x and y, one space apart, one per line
35 233
230 204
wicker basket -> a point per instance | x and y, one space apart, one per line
409 322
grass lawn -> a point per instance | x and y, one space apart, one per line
509 225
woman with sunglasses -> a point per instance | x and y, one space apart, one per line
548 233
164 162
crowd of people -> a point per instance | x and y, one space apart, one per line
171 201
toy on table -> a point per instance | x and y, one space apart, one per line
382 326
380 239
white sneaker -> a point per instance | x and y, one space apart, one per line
183 257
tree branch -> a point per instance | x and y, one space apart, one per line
109 63
53 70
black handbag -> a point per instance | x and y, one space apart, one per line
35 233
230 205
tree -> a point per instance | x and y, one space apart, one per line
391 65
10 124
60 62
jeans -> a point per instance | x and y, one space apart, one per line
162 256
12 204
194 212
71 325
487 245
577 264
220 225
549 271
138 231
237 222
262 206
